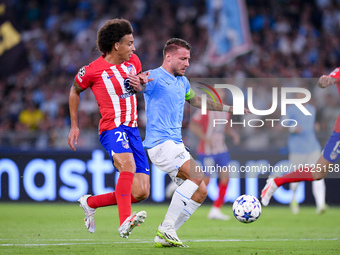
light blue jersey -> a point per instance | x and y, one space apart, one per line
164 105
304 142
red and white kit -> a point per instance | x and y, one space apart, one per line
336 74
116 100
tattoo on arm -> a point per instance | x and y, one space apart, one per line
77 88
211 106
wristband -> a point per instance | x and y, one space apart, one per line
225 108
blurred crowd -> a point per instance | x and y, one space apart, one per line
290 38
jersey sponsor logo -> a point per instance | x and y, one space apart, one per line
109 77
127 85
81 72
126 95
128 88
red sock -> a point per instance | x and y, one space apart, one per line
102 200
301 174
105 200
221 193
123 195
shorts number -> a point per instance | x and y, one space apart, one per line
121 136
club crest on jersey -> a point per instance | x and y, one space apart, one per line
130 68
333 155
125 144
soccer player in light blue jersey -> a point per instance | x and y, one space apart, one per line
304 149
164 102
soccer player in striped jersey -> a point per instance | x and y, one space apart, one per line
164 102
113 79
212 151
304 149
326 161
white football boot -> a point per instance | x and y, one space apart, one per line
89 213
216 214
268 191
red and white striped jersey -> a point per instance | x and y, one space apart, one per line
216 134
336 74
116 100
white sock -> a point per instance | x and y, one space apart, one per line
186 213
319 192
179 201
293 187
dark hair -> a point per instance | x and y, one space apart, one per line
174 44
111 32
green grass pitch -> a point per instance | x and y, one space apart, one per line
59 229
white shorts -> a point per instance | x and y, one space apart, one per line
168 157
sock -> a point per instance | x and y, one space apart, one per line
302 174
179 202
123 195
222 189
319 192
186 213
293 187
106 199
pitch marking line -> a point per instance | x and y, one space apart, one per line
140 241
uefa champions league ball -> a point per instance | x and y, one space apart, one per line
247 208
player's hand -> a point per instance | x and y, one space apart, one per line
73 137
134 82
143 77
246 111
326 81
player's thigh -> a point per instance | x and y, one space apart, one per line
190 170
169 157
124 162
136 145
116 143
321 168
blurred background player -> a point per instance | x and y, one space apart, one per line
327 160
164 102
304 149
212 151
113 80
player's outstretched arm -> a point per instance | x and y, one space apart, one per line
74 99
196 101
326 81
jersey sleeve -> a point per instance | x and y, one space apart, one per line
151 84
83 77
136 62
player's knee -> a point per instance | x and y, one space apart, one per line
142 194
202 191
318 175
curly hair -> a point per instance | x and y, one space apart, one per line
175 43
111 32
